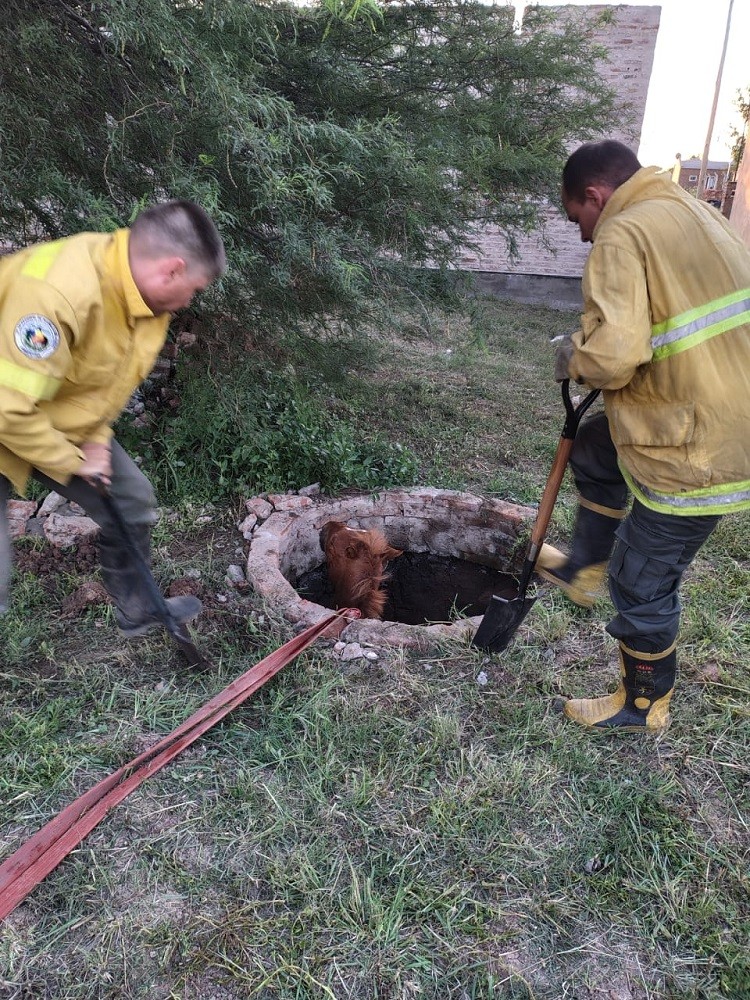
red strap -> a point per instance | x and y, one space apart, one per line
47 847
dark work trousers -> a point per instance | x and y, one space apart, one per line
130 489
652 550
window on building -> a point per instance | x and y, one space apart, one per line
711 182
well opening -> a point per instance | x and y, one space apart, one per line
458 549
422 588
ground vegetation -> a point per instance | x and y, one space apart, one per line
426 825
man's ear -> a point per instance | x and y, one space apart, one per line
176 266
169 268
598 193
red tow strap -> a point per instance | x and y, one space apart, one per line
35 859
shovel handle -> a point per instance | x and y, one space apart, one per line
551 490
573 415
555 477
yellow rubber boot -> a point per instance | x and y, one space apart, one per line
581 575
584 585
640 703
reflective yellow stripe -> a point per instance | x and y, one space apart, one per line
726 499
696 326
30 383
41 259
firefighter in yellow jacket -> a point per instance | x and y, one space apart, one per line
82 321
665 333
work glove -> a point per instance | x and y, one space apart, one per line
97 463
564 347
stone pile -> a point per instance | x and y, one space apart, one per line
61 522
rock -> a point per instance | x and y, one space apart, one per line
50 504
235 577
352 651
18 513
312 490
289 501
260 507
482 678
370 654
247 526
65 531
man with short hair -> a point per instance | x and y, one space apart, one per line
82 322
665 334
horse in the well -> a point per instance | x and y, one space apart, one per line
356 561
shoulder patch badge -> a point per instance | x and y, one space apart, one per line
36 336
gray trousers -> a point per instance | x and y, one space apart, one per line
651 552
130 489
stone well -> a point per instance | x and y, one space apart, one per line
284 545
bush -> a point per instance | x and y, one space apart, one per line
251 431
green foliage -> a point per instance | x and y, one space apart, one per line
742 102
252 430
337 146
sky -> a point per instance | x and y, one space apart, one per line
683 77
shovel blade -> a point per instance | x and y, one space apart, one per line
500 622
182 638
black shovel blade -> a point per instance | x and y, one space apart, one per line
500 622
182 638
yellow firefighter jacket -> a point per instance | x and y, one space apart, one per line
76 339
665 333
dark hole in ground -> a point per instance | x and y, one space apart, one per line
424 587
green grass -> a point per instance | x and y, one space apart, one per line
397 830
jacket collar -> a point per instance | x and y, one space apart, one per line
648 182
119 268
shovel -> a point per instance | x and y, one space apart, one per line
504 615
177 630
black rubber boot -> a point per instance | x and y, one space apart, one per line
134 611
581 575
641 702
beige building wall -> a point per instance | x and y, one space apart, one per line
739 218
630 41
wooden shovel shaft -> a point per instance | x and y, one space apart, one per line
551 490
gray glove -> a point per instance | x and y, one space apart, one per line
564 347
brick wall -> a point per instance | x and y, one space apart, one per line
630 41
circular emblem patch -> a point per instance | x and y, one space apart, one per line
36 337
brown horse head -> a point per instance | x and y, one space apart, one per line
356 561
